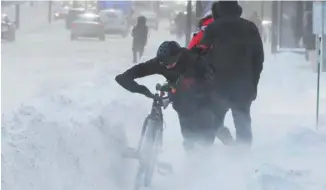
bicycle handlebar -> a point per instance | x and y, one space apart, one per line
158 87
161 97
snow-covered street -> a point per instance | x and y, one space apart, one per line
65 121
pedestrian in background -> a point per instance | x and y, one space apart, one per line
139 35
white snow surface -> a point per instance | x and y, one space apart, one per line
65 122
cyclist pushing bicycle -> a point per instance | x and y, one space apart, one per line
189 77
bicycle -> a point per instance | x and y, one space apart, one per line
150 142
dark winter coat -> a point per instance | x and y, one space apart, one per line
139 34
187 77
236 52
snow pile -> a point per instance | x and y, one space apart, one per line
72 140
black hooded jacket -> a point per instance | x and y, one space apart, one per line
188 77
235 51
140 34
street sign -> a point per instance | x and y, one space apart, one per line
318 17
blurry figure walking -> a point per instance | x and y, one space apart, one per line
180 24
235 51
139 35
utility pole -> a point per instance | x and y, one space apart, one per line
262 10
50 12
17 14
199 9
75 4
274 28
321 55
189 24
318 29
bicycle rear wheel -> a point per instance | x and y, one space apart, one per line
148 154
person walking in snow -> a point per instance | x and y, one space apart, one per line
140 36
235 50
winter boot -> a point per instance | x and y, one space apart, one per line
223 133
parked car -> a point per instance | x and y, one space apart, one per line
87 25
61 12
73 14
8 29
115 22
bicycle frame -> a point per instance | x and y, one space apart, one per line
150 142
155 116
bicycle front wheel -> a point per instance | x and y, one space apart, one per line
148 154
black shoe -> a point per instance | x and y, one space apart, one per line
223 133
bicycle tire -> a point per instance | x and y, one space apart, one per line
148 153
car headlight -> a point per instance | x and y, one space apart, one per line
266 22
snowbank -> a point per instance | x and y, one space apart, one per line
71 140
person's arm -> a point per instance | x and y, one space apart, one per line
258 54
146 34
127 79
195 39
133 31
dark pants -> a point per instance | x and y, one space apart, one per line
198 128
136 51
241 117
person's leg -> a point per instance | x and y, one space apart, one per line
306 55
134 55
204 120
187 131
312 60
242 122
141 52
220 107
